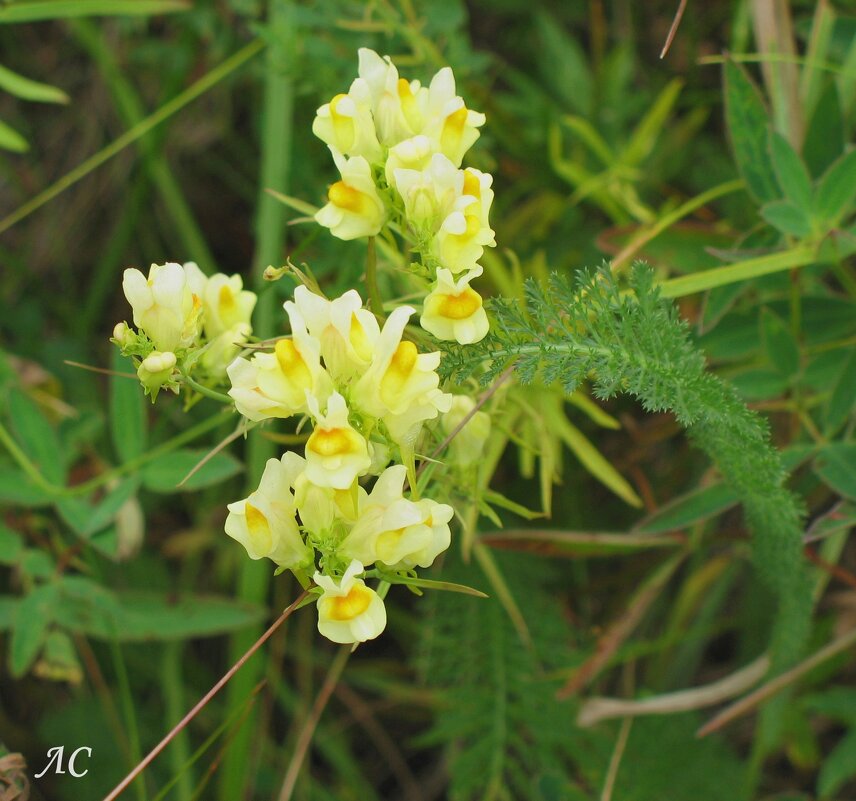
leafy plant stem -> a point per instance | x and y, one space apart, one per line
372 288
207 391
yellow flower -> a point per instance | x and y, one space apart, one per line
395 531
346 124
397 105
348 610
468 444
336 453
453 311
224 348
155 371
429 194
347 332
448 121
278 384
401 384
411 154
226 304
466 231
165 305
265 523
354 208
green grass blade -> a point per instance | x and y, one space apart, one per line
27 89
64 9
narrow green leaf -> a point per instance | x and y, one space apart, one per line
36 436
780 346
747 123
838 767
790 171
33 617
787 218
164 473
741 271
27 89
650 127
556 543
10 139
430 584
843 397
8 610
563 64
836 191
836 465
63 9
127 411
693 507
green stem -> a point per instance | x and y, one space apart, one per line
207 391
237 770
132 135
173 688
372 288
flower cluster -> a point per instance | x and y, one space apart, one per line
368 392
183 319
398 147
350 507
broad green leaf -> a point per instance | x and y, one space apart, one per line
87 518
843 397
693 507
127 411
28 89
836 191
836 465
137 616
825 135
166 472
787 218
8 610
37 437
10 139
760 384
747 123
563 64
791 172
58 660
780 346
11 545
556 543
37 564
61 9
838 766
33 617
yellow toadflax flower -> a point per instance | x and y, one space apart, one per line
348 610
347 332
166 304
452 126
226 304
336 453
346 124
265 523
277 384
401 384
397 532
354 208
453 311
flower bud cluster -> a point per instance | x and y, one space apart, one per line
398 147
182 316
